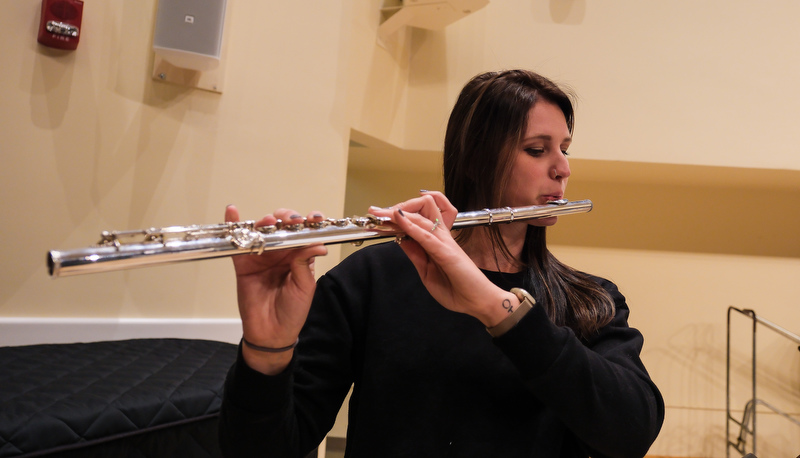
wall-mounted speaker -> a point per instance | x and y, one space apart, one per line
188 33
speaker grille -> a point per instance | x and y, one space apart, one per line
192 26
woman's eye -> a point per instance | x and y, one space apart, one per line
535 152
565 152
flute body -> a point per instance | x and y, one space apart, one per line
119 250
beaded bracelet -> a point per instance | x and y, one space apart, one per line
268 349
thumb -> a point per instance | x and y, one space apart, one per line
303 264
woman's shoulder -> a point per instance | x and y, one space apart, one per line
611 288
605 283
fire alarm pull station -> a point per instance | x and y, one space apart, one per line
60 25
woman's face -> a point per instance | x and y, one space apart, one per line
540 166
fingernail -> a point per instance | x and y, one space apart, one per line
423 190
400 210
317 215
295 216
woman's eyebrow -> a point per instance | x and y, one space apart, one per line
546 138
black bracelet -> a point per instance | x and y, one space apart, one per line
268 349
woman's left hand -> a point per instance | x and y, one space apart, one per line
448 273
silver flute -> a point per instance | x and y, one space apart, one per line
118 250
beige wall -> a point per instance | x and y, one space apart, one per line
684 82
685 141
92 143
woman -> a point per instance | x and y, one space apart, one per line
558 374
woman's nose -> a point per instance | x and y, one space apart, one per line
560 169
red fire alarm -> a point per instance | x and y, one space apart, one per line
60 26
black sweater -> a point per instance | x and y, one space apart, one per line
429 382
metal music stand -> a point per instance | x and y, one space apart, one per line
747 427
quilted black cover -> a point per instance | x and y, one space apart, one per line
135 398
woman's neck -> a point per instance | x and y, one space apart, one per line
480 249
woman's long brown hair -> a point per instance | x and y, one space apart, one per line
485 128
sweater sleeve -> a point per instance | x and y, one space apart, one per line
599 389
288 415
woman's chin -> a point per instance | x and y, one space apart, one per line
544 221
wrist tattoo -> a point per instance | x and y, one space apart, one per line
507 305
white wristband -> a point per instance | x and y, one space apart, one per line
526 302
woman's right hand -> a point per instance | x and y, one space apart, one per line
447 272
274 292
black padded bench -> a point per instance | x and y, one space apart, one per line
127 398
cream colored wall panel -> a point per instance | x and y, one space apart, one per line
686 208
689 83
705 83
378 75
92 143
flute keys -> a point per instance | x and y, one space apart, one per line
294 227
247 239
370 221
267 229
315 225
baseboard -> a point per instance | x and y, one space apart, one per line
29 331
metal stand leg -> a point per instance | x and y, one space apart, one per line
747 427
